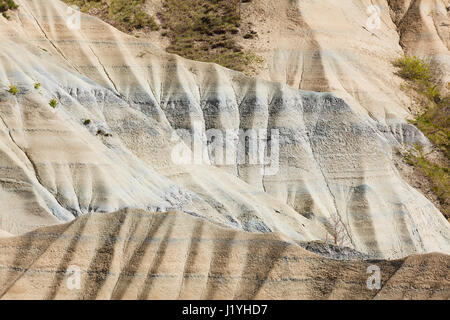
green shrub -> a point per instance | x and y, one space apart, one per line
37 85
431 92
434 122
126 15
53 103
13 90
6 5
103 133
87 122
202 30
413 68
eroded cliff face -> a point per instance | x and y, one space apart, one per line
424 30
347 47
332 166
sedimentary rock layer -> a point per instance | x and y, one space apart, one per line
333 166
135 254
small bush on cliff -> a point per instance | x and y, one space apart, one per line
13 90
438 175
126 15
53 103
6 5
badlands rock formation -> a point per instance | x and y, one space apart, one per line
134 254
342 47
127 109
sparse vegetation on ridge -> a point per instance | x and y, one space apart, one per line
437 174
413 68
206 30
102 132
434 122
6 5
125 15
53 103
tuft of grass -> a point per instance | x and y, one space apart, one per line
53 103
101 132
206 30
13 90
202 30
125 15
87 122
434 122
6 5
37 85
